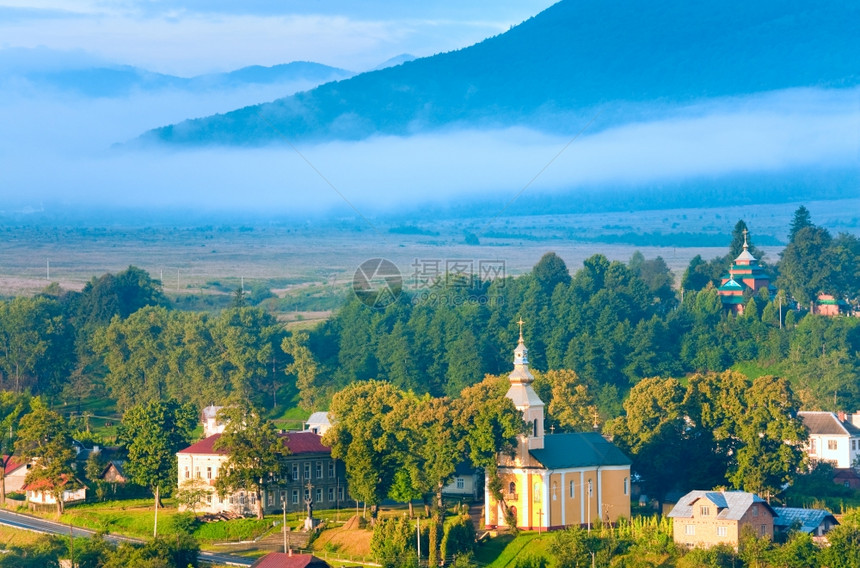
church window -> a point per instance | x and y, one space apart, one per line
535 428
554 490
512 488
626 486
572 490
536 497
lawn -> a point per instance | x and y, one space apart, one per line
504 550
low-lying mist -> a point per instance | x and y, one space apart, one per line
60 149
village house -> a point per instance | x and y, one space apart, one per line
815 522
312 475
15 472
707 518
556 480
40 492
833 438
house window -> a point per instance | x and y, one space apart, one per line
253 499
295 496
197 473
461 483
813 446
319 495
319 470
572 490
340 493
208 473
307 470
270 498
231 499
187 473
831 444
704 510
295 472
690 530
755 511
331 469
626 486
763 530
209 498
331 494
853 444
242 499
722 531
307 494
554 490
536 492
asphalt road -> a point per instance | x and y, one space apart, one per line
38 524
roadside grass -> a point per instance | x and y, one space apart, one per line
16 537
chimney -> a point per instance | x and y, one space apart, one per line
841 415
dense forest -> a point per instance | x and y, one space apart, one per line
611 323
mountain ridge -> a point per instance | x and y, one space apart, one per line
567 61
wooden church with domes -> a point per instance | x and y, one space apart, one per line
745 274
556 480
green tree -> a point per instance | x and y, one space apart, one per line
569 404
44 438
95 466
192 493
255 453
459 538
151 434
364 436
802 219
44 553
304 369
550 271
36 345
392 544
806 267
844 540
654 430
798 552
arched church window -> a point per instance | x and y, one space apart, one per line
535 428
512 488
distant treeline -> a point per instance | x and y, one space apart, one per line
612 323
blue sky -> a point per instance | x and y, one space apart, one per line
199 36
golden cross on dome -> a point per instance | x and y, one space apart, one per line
521 322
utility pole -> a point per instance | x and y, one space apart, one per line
155 528
284 507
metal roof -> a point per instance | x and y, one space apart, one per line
563 451
806 520
731 505
826 423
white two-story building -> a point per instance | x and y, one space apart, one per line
832 438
